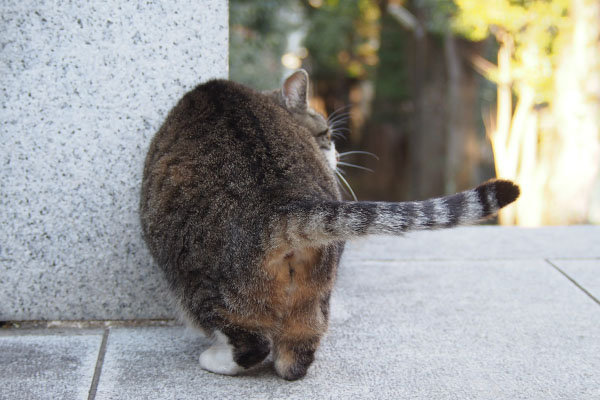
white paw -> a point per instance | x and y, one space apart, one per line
218 358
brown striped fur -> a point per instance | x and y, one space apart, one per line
241 210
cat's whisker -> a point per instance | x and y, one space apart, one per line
339 182
354 166
342 108
338 122
340 130
337 117
347 153
340 119
338 136
336 127
347 185
338 110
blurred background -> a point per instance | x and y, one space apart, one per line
446 93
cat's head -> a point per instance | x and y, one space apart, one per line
293 96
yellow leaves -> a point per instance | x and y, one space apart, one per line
355 69
369 10
534 27
475 18
364 53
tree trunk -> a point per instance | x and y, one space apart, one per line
429 138
463 144
391 122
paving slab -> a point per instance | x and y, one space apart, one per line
501 329
585 272
47 364
482 242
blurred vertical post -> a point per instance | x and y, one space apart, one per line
500 136
463 147
427 136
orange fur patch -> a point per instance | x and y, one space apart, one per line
289 297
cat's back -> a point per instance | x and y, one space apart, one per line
249 138
224 159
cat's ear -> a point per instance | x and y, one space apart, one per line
295 91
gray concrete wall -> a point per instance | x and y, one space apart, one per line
84 87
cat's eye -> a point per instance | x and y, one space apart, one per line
321 134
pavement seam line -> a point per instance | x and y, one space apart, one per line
444 259
591 296
99 363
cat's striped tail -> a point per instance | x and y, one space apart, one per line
311 222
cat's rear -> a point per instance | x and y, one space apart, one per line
223 164
241 209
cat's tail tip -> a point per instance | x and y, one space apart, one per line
506 191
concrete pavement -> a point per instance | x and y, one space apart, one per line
473 313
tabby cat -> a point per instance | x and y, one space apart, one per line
241 210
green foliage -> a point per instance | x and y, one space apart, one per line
342 38
392 83
437 14
257 40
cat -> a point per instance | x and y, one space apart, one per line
241 210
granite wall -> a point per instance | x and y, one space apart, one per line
84 87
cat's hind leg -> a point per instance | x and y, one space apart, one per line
295 344
234 351
293 357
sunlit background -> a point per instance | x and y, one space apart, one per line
447 94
